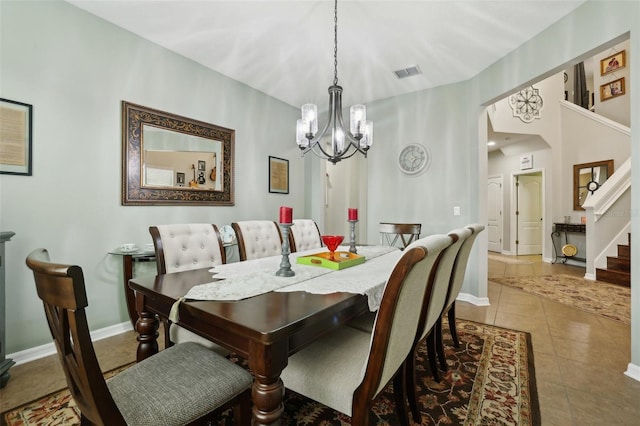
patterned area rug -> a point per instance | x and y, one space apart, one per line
491 381
596 297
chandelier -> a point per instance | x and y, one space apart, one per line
343 144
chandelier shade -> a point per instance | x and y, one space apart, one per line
342 143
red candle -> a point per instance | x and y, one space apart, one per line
353 214
286 214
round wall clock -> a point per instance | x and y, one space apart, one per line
414 158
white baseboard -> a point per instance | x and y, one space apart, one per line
633 371
478 301
42 351
590 277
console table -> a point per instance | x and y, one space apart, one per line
561 230
5 363
128 258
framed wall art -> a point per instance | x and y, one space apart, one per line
278 175
614 62
15 137
180 179
612 89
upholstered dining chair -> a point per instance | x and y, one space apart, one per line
183 247
432 310
394 233
441 283
457 279
347 369
257 239
177 386
304 235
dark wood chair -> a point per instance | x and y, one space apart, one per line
184 247
193 382
347 368
304 235
258 239
393 233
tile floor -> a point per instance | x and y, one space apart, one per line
579 357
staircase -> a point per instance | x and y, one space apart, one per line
618 267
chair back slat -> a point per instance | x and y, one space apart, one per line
62 291
407 233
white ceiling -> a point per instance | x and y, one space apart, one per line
285 48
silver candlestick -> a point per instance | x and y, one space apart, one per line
352 246
285 265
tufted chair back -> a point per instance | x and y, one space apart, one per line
258 238
182 247
304 235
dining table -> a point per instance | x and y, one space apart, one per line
262 317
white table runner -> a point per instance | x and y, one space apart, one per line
242 280
370 279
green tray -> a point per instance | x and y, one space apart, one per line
343 260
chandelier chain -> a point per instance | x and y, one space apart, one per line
335 45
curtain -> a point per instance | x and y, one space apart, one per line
580 92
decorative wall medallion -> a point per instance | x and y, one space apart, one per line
526 104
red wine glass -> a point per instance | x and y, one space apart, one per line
332 242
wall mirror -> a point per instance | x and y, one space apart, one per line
168 159
587 178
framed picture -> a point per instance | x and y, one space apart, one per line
612 89
15 137
613 62
180 178
278 175
202 165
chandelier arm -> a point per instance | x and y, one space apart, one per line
318 136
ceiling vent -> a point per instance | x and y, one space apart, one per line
407 72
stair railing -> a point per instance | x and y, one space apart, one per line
608 213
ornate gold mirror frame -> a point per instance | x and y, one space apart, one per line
182 147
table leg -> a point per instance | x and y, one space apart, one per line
266 363
147 327
129 294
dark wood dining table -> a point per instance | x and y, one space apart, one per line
264 329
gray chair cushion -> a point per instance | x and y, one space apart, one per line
177 385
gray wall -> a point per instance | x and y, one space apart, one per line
75 70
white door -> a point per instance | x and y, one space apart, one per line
494 213
529 214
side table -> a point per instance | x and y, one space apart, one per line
128 258
560 229
5 363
